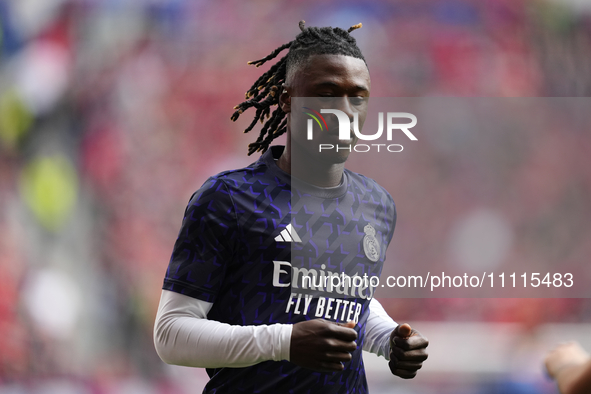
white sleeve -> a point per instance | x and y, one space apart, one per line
184 336
378 328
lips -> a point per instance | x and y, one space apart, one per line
333 133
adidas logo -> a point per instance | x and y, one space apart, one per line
288 235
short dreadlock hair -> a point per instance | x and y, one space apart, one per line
264 93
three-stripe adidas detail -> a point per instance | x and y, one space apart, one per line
288 235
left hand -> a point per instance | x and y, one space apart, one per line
407 351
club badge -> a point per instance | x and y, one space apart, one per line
371 247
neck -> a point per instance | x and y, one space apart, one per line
314 172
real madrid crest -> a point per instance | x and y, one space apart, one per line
371 247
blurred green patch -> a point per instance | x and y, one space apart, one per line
49 187
15 119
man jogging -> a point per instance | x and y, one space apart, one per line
234 298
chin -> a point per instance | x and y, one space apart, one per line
310 151
331 157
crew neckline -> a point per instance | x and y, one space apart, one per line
274 153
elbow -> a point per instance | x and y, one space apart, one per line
167 344
162 352
165 357
161 331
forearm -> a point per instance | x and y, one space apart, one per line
184 336
378 328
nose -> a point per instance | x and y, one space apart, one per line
344 104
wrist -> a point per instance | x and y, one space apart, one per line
284 342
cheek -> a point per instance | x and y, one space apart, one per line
295 120
362 117
297 124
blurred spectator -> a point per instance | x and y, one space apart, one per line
570 366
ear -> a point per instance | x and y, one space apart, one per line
285 99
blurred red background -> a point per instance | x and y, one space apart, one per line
113 112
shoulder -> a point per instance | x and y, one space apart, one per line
369 185
371 193
215 200
231 179
242 182
239 175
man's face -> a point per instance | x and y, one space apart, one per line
327 82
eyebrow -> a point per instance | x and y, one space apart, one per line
335 85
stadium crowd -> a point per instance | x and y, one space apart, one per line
113 112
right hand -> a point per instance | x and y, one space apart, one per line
322 345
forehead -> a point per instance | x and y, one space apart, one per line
340 70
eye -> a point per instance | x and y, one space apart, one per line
358 100
327 97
